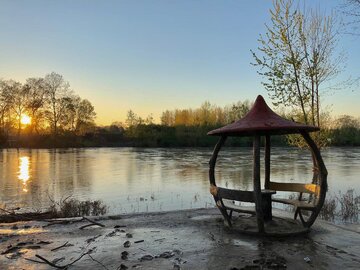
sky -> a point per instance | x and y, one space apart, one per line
150 56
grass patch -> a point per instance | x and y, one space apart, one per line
344 207
71 207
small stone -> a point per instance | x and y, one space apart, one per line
307 259
129 235
146 258
111 234
123 267
44 243
124 255
167 254
119 226
127 244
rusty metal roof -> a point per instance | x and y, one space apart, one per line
261 120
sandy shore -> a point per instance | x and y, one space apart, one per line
193 239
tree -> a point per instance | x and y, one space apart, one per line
16 99
167 118
85 117
236 111
132 119
351 11
57 97
296 57
6 103
36 101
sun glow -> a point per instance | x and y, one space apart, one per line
24 174
25 119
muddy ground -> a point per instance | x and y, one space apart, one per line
193 239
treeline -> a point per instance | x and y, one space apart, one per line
188 127
45 112
42 108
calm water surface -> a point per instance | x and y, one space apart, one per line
139 179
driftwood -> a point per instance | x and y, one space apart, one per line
61 222
11 216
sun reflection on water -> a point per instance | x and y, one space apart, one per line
24 174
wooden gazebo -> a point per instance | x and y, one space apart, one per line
259 122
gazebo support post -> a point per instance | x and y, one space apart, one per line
257 184
267 161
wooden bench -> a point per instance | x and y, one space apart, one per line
310 204
226 199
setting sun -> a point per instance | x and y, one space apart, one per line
25 119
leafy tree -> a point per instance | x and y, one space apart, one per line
167 118
296 57
132 119
236 111
85 117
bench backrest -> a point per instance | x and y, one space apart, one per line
237 195
295 187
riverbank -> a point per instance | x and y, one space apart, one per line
188 239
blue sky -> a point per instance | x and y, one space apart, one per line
149 56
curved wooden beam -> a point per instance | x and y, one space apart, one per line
213 188
213 159
320 169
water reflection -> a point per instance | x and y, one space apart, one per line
24 171
153 179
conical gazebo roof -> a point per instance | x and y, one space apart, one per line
261 120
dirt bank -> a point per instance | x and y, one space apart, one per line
193 239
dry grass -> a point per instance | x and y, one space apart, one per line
344 207
70 207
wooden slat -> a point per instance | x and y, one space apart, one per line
295 187
300 204
239 208
237 195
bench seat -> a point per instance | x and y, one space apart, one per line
298 204
239 208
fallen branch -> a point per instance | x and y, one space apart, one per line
62 266
98 262
50 263
64 245
93 223
32 260
139 241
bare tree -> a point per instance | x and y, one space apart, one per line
36 101
57 99
16 96
5 106
351 11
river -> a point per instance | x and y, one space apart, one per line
131 180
